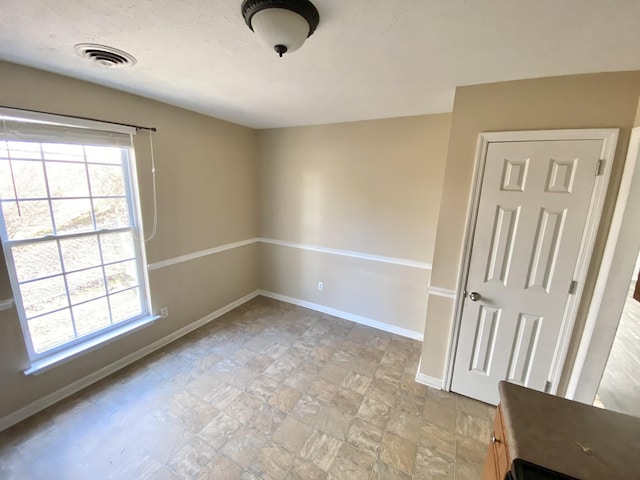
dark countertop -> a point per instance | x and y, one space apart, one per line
543 429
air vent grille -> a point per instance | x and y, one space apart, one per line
105 56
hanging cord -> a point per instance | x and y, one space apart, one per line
154 230
13 179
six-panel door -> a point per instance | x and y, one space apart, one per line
533 207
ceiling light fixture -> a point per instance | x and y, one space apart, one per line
283 25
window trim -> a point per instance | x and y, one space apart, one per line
44 364
33 116
77 346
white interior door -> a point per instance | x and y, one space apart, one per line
535 200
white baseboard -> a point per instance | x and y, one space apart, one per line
48 400
346 315
429 381
52 398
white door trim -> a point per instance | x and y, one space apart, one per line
609 136
603 317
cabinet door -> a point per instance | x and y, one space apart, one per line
498 460
500 447
489 471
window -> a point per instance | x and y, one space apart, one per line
70 232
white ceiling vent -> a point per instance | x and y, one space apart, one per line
105 56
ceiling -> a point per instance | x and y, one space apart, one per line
367 59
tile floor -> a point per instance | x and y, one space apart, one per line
270 391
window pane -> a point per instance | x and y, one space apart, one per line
70 287
111 212
85 285
36 261
125 305
62 151
51 330
106 180
32 220
121 276
43 296
6 184
72 215
104 155
117 247
28 177
81 252
67 179
24 150
91 316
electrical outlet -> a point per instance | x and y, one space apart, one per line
164 312
321 286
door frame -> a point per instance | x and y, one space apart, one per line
609 137
612 284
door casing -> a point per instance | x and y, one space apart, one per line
616 267
609 137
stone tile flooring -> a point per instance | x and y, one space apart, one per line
269 391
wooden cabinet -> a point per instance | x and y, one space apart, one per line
498 461
537 435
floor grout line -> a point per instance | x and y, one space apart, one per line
177 373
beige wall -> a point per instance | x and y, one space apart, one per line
207 196
370 187
396 188
391 294
582 101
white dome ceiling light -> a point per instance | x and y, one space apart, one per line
282 25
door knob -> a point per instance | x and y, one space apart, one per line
474 296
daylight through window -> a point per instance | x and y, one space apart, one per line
70 232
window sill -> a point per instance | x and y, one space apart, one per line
47 363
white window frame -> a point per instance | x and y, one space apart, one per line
48 358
